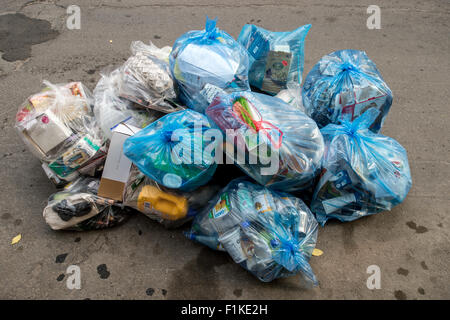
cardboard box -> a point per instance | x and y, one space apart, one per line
117 166
46 132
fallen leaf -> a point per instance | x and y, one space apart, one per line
16 239
317 252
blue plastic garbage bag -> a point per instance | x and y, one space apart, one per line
273 142
342 86
205 59
171 150
363 172
270 234
276 58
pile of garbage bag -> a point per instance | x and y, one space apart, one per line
208 58
363 172
111 109
277 145
342 86
58 126
176 134
276 58
78 207
170 207
146 78
171 150
268 233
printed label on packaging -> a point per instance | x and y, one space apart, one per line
276 72
262 204
209 91
258 45
231 241
248 247
221 208
76 156
148 208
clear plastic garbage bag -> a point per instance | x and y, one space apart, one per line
78 207
146 78
202 59
363 172
274 143
171 150
169 207
342 86
270 234
110 109
58 127
276 58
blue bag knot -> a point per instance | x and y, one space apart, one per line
288 253
347 66
210 28
350 129
167 135
363 122
291 248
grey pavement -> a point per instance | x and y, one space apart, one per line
410 244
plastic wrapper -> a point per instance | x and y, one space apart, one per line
274 143
363 172
270 234
342 86
146 78
59 127
110 109
292 97
79 208
276 58
208 60
169 207
171 151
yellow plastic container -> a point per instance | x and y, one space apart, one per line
168 206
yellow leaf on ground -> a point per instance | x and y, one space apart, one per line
317 252
16 239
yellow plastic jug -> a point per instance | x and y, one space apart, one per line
169 206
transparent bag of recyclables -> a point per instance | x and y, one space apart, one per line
171 150
270 234
146 78
169 207
276 58
59 127
273 142
78 208
211 58
363 172
110 109
342 86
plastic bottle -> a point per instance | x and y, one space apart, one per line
169 206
